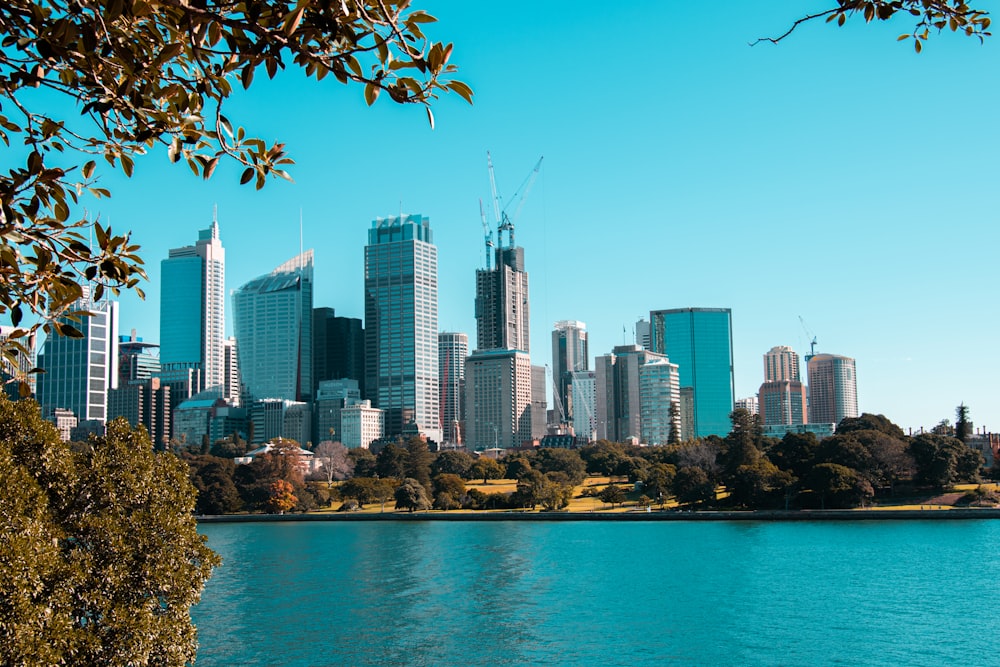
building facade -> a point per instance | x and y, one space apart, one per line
338 347
502 311
781 363
618 397
833 389
453 348
700 342
585 417
569 355
659 402
362 425
272 320
401 325
332 396
80 371
782 402
498 393
192 308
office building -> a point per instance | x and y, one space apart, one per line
362 425
642 333
272 320
80 371
338 347
146 402
782 402
618 396
502 313
569 355
332 396
271 418
659 402
584 393
401 325
539 405
498 397
453 348
232 385
192 308
833 389
700 342
749 403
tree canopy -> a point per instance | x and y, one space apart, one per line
154 75
100 556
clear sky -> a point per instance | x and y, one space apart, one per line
838 177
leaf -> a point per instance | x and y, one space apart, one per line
430 117
371 93
247 175
917 46
88 169
461 89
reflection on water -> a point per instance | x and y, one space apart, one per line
318 594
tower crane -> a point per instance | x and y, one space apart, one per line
487 235
504 221
812 345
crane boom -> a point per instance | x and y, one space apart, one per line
487 236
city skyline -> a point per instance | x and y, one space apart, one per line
652 195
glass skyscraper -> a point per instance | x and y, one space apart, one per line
192 308
273 326
569 355
401 324
700 342
453 349
79 371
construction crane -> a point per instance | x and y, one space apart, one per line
504 221
488 236
812 345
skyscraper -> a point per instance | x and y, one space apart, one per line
453 348
618 392
192 308
401 324
502 303
569 355
498 398
700 342
659 402
781 363
585 414
79 371
338 347
273 326
833 389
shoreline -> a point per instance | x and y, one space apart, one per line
725 515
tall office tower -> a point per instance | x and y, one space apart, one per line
338 347
781 363
642 333
502 303
498 397
659 402
569 355
453 348
192 308
401 324
618 400
271 418
273 326
145 402
700 342
833 389
232 390
585 417
332 396
782 402
79 371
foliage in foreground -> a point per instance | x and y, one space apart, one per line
100 558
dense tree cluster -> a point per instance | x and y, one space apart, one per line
868 456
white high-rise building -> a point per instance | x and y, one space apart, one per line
569 355
401 325
192 309
833 389
80 371
585 411
498 392
362 425
659 401
273 326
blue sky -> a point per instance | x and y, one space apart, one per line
838 177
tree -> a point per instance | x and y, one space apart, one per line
930 15
517 468
454 462
364 462
418 461
100 559
741 445
942 461
212 476
838 486
567 461
486 468
450 484
869 422
336 463
411 495
693 485
154 74
391 462
612 494
281 497
963 427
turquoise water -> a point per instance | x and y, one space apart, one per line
823 593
